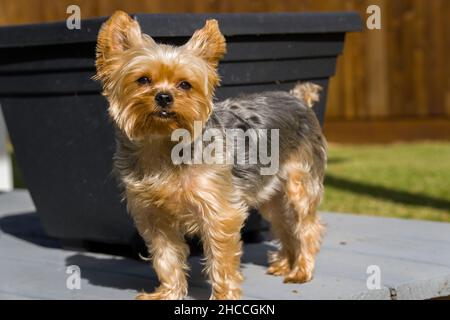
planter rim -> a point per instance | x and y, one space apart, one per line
183 25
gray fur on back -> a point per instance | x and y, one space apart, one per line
297 124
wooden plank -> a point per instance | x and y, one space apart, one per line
48 58
397 77
415 81
283 46
185 25
377 67
435 77
417 25
236 73
354 87
260 23
270 71
387 131
233 91
48 83
405 251
245 48
413 258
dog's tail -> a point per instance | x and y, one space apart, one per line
307 92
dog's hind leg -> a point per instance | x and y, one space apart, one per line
295 224
292 214
273 211
303 186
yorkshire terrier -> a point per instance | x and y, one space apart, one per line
154 89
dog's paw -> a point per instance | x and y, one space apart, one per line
278 265
279 268
299 274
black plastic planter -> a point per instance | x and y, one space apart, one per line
57 118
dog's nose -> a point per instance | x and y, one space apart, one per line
164 99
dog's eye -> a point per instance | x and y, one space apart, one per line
185 85
144 80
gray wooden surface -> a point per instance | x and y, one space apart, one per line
413 257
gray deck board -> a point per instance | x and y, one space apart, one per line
413 256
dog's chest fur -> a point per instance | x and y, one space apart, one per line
153 183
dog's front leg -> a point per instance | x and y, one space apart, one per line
221 236
169 253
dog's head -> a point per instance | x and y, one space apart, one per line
153 88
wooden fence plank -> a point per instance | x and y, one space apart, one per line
402 70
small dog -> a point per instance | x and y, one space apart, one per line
154 89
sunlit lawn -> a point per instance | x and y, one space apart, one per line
399 180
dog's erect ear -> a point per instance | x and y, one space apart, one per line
208 43
117 34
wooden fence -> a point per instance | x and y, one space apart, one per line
399 73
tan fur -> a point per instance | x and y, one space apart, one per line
307 92
292 214
169 201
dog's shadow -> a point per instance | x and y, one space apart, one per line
128 274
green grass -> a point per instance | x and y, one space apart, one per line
407 180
